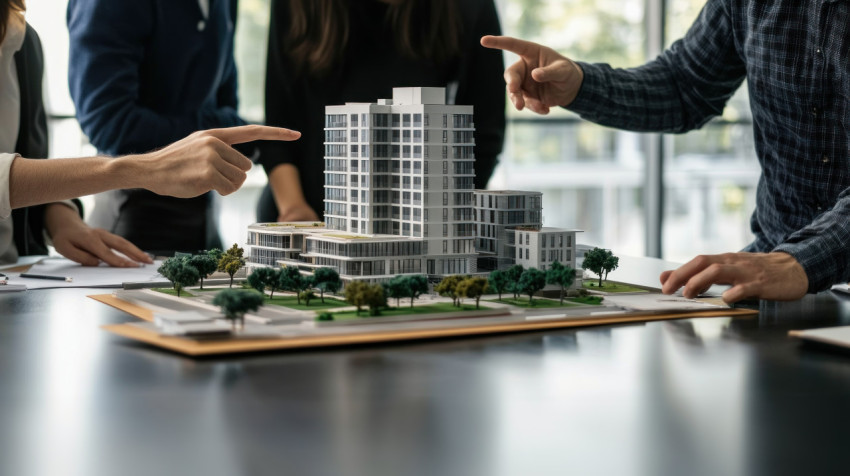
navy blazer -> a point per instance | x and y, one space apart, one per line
28 222
146 73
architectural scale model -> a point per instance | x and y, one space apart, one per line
405 238
399 199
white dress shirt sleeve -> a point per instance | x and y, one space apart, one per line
5 167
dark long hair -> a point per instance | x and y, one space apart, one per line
6 9
319 30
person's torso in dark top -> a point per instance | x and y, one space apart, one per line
372 66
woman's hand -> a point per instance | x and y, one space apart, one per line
88 246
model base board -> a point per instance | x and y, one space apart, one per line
259 337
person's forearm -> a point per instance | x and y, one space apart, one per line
682 89
285 183
33 182
202 162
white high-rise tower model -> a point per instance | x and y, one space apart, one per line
404 167
399 200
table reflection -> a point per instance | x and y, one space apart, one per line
696 396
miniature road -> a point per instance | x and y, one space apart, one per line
164 301
275 314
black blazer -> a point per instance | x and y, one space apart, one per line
28 223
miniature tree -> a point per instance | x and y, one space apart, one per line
359 294
307 295
531 281
234 303
179 272
375 298
473 287
273 281
561 275
206 265
599 260
291 280
418 285
257 281
611 263
232 261
448 288
397 288
215 254
305 289
355 294
514 273
167 268
326 279
262 278
498 281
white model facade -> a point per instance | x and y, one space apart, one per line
540 247
404 167
497 213
312 245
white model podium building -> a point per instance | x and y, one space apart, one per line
399 196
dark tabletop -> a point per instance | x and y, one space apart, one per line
703 396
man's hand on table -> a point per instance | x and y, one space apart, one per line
772 276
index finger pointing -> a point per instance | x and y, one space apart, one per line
241 134
514 45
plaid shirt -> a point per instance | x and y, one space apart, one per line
794 55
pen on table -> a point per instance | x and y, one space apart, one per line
44 276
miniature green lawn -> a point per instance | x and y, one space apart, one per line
539 303
173 292
315 303
609 287
406 311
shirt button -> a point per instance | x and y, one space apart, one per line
815 111
817 51
825 159
202 25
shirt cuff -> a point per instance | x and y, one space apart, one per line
817 264
586 102
5 170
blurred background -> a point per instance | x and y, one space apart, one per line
671 196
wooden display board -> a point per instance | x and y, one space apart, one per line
194 347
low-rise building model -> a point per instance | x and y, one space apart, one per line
399 199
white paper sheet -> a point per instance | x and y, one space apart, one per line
839 336
23 261
102 276
657 302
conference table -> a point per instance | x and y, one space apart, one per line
710 396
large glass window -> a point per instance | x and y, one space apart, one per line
591 177
710 175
